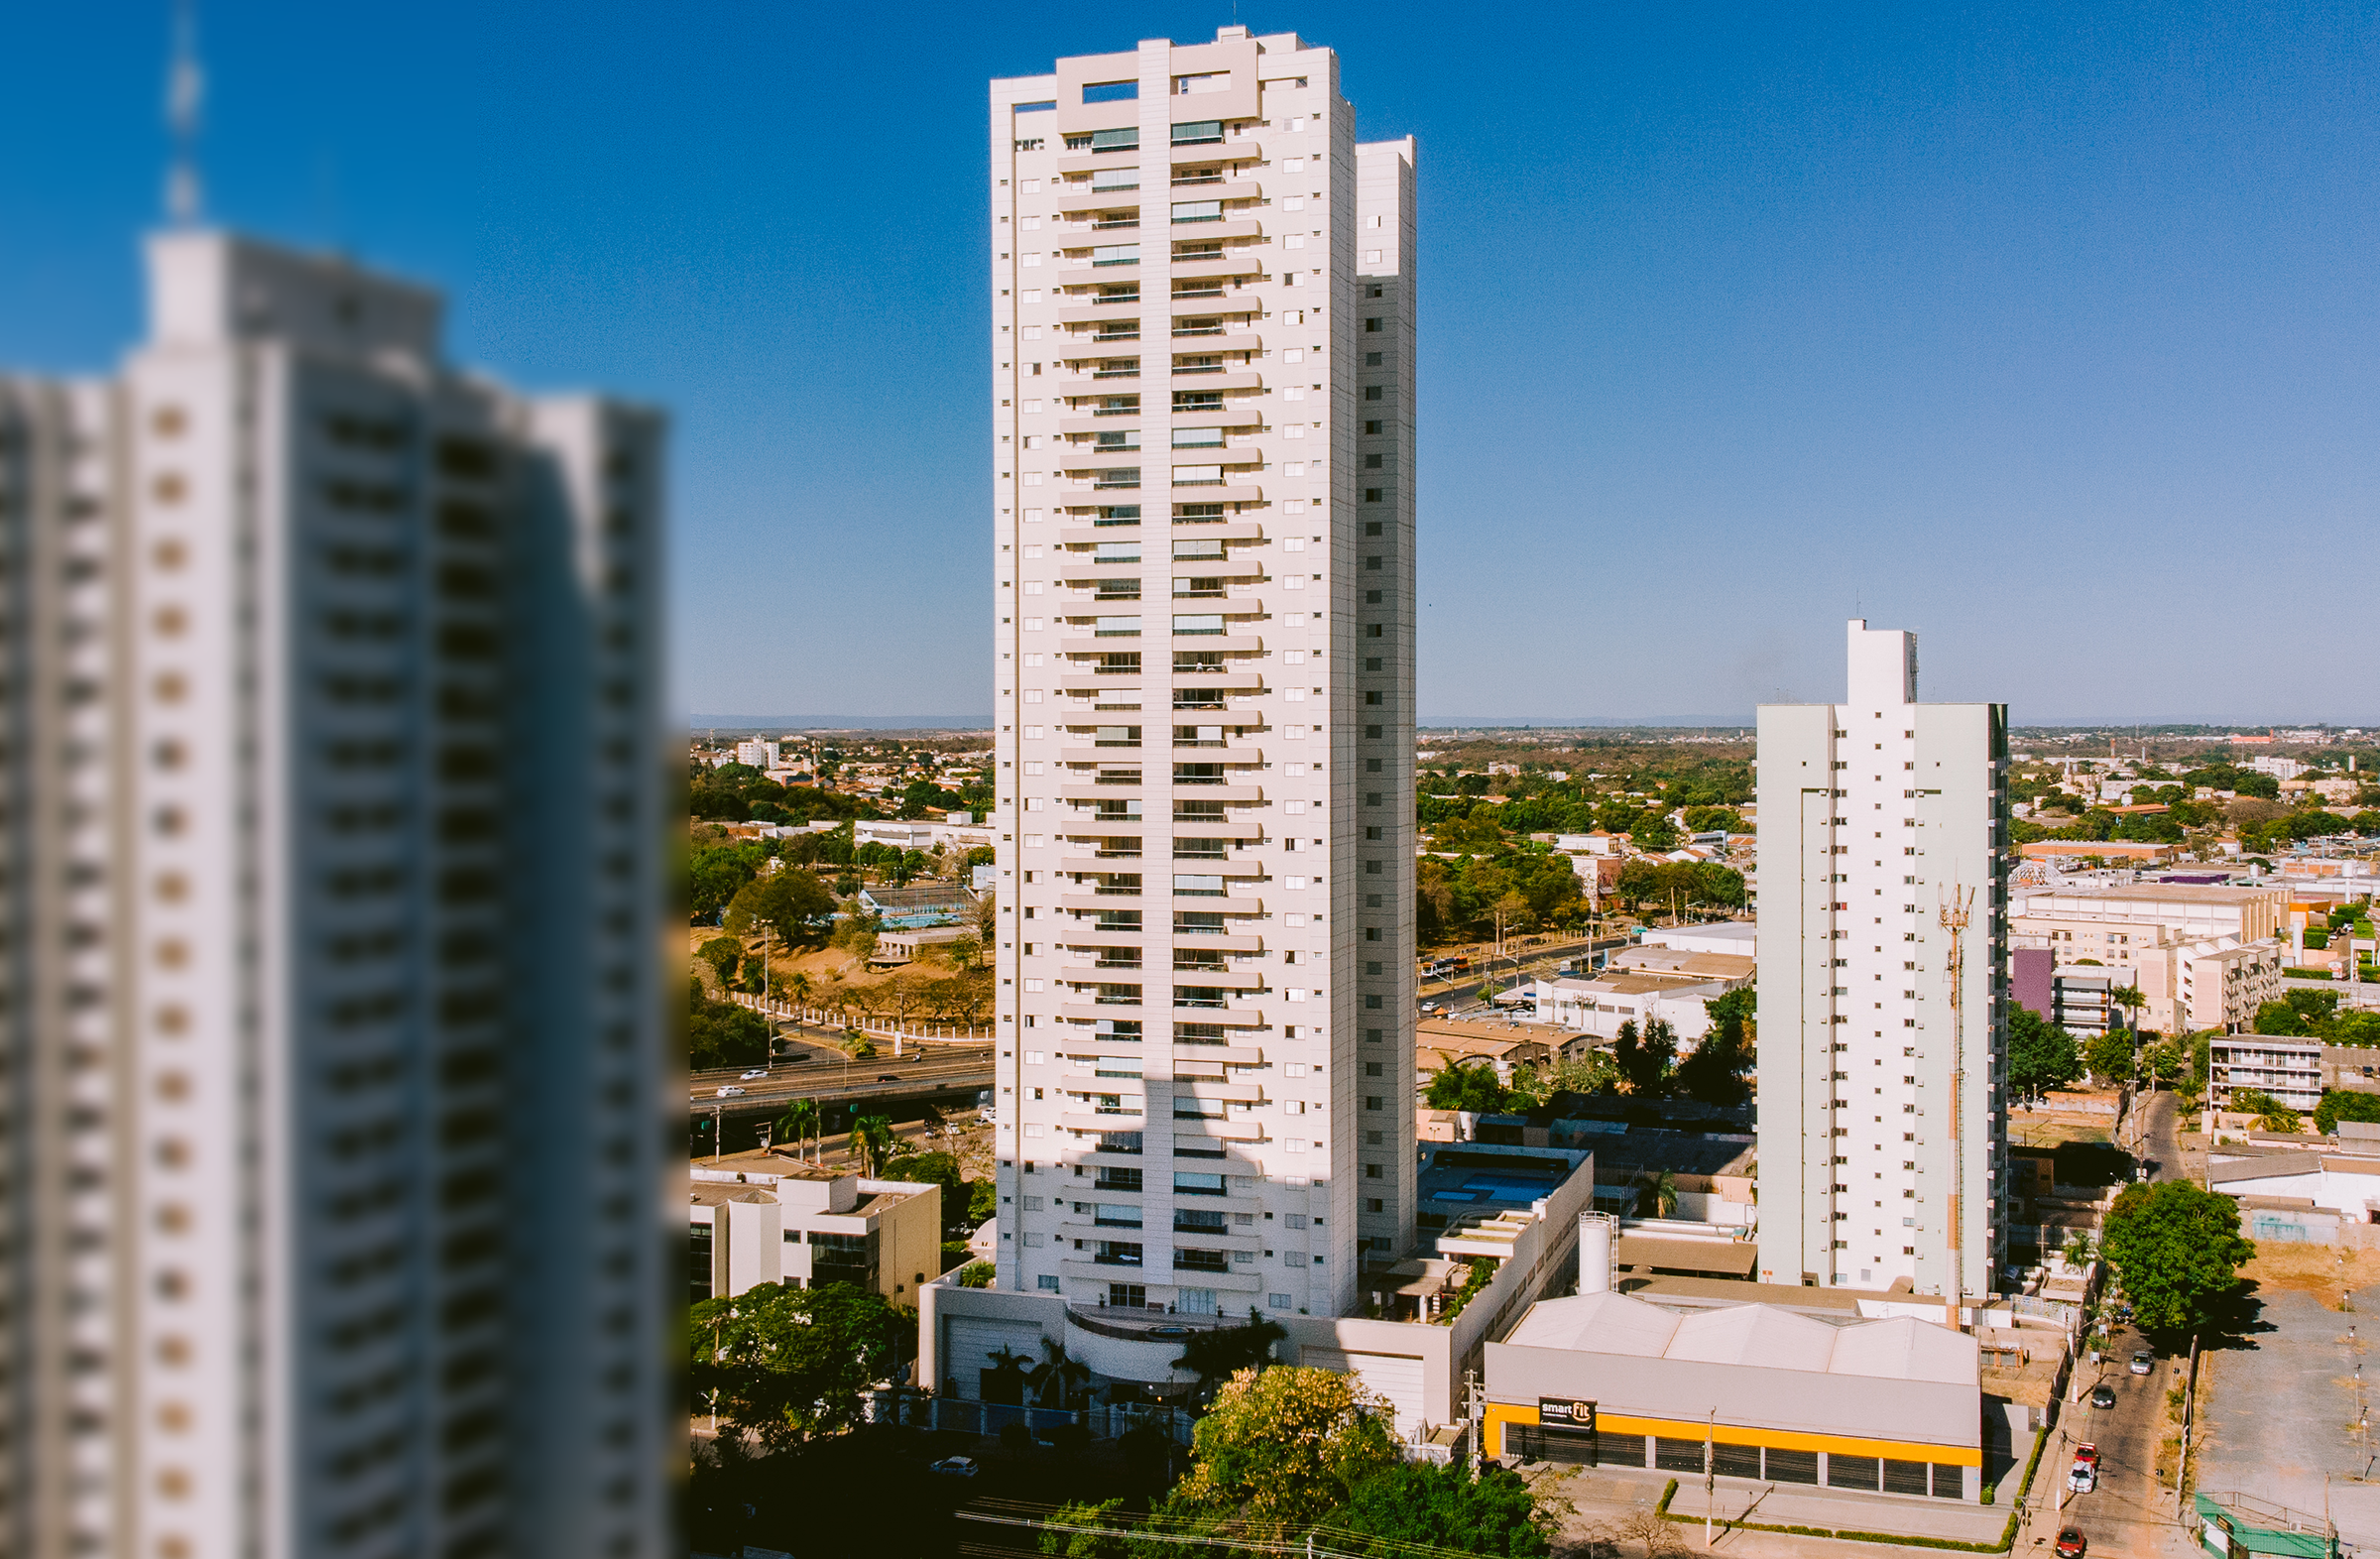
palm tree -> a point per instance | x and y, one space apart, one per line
1057 1379
798 1124
872 1135
798 987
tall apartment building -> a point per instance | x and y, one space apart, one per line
1202 355
1883 1126
332 1022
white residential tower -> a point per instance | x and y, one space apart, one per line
1883 1126
1202 354
333 1025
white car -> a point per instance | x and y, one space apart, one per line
731 1091
757 1071
1429 1006
956 1467
2082 1480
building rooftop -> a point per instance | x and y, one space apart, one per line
1769 1335
1683 965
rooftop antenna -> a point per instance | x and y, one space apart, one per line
186 88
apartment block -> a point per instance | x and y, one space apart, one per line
2201 956
1203 410
756 1218
2288 1070
1883 1036
306 1002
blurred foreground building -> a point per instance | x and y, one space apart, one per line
320 970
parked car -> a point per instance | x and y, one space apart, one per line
2082 1478
2088 1454
2070 1542
731 1091
757 1071
2103 1396
956 1467
2141 1364
886 1077
1428 1007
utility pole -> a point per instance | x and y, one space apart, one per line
1956 908
1709 1473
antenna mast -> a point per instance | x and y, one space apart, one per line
1956 908
186 88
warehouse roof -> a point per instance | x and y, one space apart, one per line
1902 1347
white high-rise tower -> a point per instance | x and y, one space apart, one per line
1882 1034
333 1025
1202 354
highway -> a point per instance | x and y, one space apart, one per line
829 1075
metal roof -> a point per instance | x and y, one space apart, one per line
1901 1347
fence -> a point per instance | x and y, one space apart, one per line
969 1416
867 1023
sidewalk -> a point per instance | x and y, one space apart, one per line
1605 1494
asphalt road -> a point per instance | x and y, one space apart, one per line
829 1074
2126 1514
2159 1147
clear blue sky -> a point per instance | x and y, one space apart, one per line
2047 331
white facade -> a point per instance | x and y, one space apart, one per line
1883 1120
757 754
297 600
1203 354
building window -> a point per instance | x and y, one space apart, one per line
698 1262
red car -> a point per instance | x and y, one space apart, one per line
2070 1542
2087 1453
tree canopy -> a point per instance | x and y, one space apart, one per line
2341 1104
787 1363
2041 1055
721 1034
1495 1513
1286 1444
1715 1073
2177 1249
791 903
1645 1060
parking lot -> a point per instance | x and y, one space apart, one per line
2284 1409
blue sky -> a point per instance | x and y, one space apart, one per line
2047 332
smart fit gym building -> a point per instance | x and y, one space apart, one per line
1890 1406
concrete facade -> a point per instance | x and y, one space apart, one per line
327 956
1883 1126
778 1221
1202 342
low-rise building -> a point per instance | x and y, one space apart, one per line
1601 1006
1785 1396
2288 1070
757 1218
1439 1043
1738 937
934 903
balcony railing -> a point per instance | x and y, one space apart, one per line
1105 299
1117 963
1202 178
1201 1261
1130 485
1106 1259
1118 892
1117 225
1119 776
1201 330
1198 367
1116 410
1182 293
1117 373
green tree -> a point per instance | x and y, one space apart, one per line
1287 1444
1108 1515
722 953
2177 1249
2041 1055
790 901
1715 1073
872 1135
2109 1055
787 1363
1470 1087
2270 1113
1645 1062
2342 1104
978 1274
721 1034
1493 1513
798 1125
1218 1355
934 1168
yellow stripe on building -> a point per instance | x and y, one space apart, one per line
1502 1413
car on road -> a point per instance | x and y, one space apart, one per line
1429 1008
2087 1455
956 1467
731 1091
2082 1478
2141 1364
2071 1542
2103 1396
886 1077
757 1071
